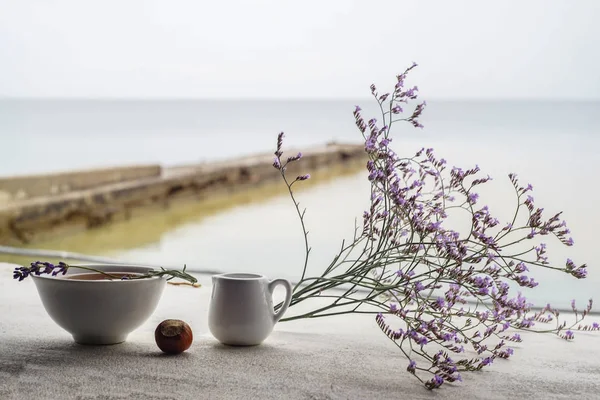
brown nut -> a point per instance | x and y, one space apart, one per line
173 336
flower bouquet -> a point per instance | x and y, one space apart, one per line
446 297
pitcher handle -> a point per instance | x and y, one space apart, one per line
288 296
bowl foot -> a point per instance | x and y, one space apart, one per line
99 340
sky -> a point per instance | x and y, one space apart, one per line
510 49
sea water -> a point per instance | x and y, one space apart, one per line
552 145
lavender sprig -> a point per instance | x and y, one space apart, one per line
38 268
436 292
282 166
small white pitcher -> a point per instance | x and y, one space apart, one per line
241 308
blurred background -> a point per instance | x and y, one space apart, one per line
511 86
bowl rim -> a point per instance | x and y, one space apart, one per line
133 268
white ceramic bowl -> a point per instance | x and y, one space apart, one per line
100 311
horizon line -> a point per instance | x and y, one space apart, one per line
299 98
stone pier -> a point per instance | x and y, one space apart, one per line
37 206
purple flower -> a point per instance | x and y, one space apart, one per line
580 273
370 145
487 361
529 199
521 267
436 381
61 268
276 163
523 280
506 353
383 97
278 152
569 335
440 303
21 273
303 177
294 158
472 198
38 268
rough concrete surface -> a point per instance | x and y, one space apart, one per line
333 358
29 186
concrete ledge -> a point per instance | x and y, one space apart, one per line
18 188
344 357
